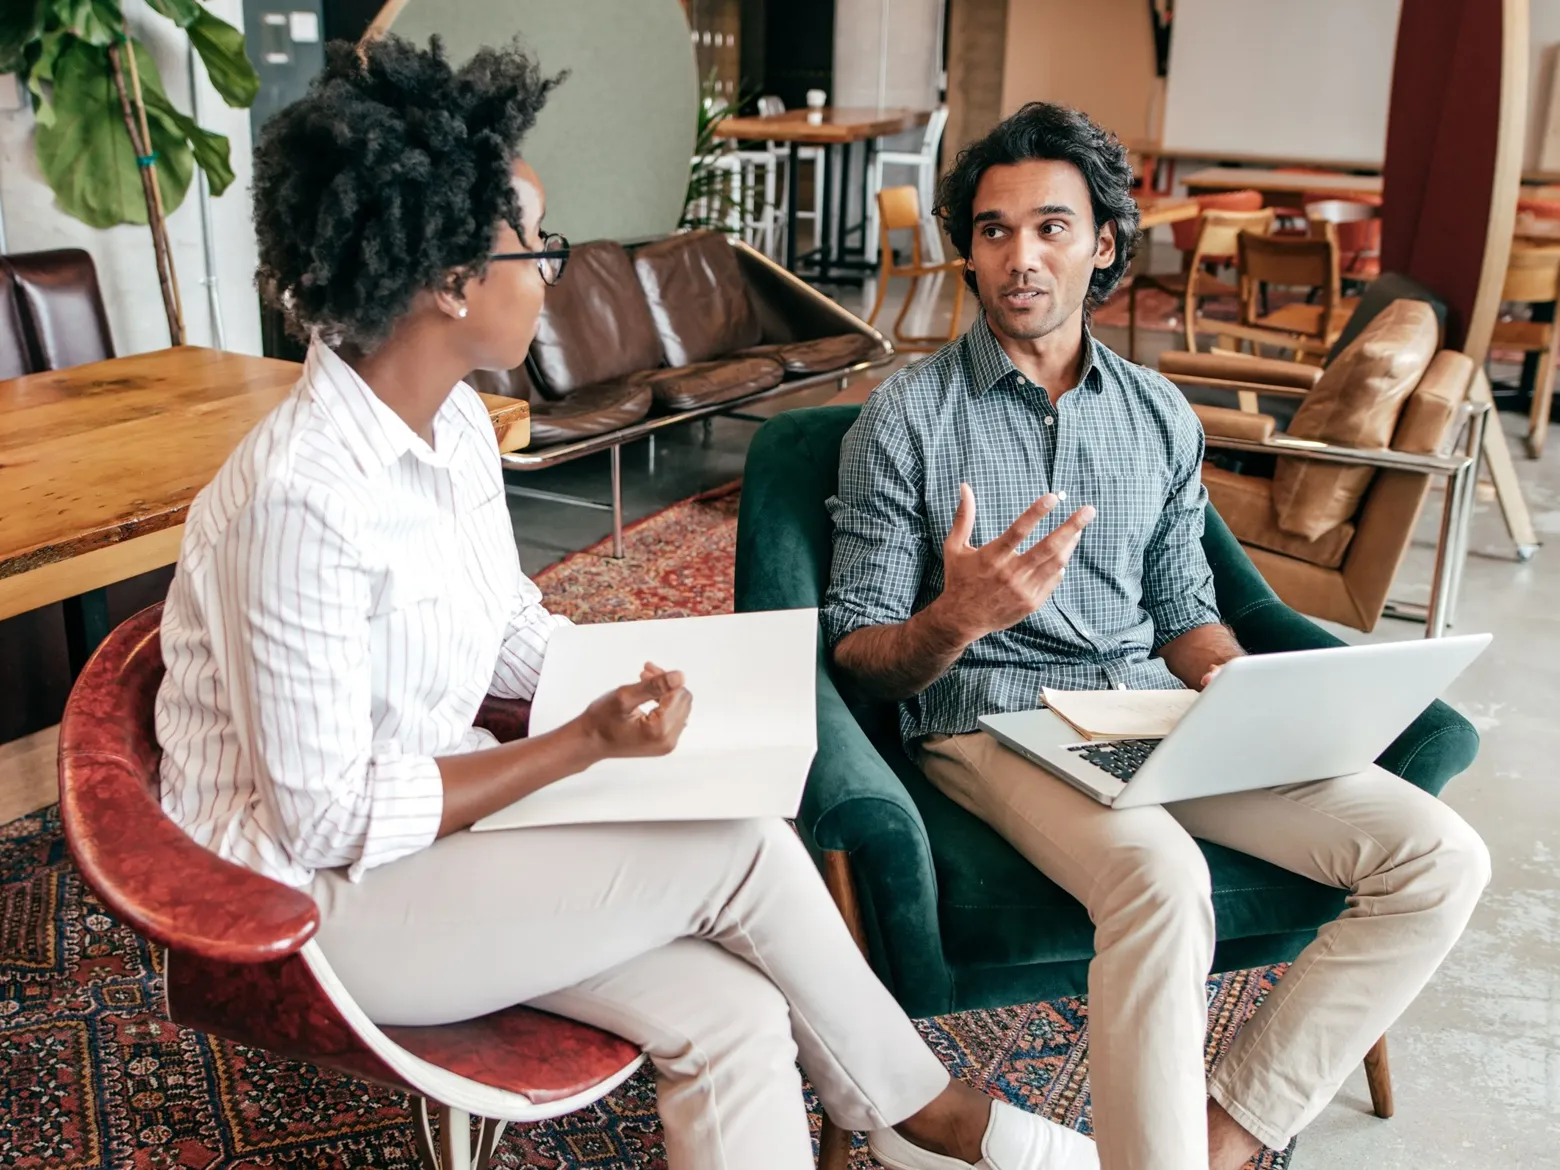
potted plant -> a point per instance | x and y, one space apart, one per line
109 142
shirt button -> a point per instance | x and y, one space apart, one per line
1061 495
1023 381
1049 421
1121 686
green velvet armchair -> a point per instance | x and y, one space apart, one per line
950 915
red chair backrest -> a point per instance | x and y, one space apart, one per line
1187 231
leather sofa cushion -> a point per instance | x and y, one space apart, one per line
707 382
1355 403
515 383
820 355
595 325
697 296
591 410
1246 503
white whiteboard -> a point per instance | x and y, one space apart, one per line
1281 79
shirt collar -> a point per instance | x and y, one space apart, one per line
989 362
377 435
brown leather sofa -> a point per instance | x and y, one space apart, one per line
1327 509
634 339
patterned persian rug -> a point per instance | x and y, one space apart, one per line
93 1078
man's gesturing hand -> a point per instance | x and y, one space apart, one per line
618 726
994 587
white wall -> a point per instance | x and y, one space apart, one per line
1096 57
125 263
908 74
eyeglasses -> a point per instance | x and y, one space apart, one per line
550 260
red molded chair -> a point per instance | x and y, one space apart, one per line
241 961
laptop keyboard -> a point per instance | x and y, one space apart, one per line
1121 758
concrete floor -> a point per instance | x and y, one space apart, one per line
1476 1060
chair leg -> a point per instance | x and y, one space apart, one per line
1543 397
833 1142
617 501
833 1146
882 291
1378 1075
453 1149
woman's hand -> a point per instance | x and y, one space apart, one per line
642 719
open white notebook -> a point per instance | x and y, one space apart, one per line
749 740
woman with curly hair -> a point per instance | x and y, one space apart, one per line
347 593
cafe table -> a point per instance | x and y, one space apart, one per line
831 128
1279 188
99 464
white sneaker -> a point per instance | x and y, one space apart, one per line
1015 1140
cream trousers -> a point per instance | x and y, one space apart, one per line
713 945
1413 869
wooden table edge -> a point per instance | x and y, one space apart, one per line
89 570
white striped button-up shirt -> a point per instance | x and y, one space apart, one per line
346 595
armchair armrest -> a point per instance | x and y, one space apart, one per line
160 883
1268 375
855 804
1220 422
1384 459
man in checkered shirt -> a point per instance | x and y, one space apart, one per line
1024 509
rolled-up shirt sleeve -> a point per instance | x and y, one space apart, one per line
293 607
526 633
880 541
1178 590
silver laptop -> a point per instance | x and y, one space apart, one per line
1265 720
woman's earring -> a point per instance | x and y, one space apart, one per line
462 311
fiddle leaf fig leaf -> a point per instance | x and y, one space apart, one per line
86 155
221 48
98 22
181 12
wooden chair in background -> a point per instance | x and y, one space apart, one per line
1306 328
1219 236
899 209
1187 235
1533 278
1356 225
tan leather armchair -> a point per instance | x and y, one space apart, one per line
1344 574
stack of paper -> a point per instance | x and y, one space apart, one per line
1120 714
749 741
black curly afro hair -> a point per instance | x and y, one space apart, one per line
387 175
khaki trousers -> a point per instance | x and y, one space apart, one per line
1414 870
713 945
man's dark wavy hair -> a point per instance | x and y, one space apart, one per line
390 172
1042 130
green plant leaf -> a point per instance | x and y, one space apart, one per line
221 47
181 12
210 148
21 23
86 155
51 45
98 22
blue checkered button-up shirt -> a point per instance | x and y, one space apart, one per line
1124 440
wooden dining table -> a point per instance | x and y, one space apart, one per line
831 127
1279 187
99 464
1154 213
